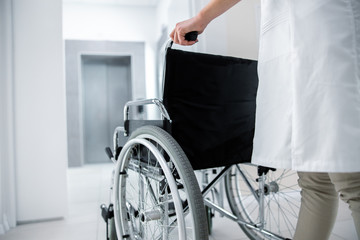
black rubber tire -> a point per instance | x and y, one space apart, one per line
186 173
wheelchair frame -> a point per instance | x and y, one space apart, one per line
260 193
173 192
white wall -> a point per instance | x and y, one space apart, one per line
235 33
170 12
7 171
111 22
2 109
40 116
243 26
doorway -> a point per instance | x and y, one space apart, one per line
100 77
106 87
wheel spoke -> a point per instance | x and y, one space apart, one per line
282 200
157 186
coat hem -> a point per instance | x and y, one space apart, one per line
303 167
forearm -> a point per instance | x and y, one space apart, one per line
214 9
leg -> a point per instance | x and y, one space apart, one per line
319 205
348 185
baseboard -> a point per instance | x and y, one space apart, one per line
39 220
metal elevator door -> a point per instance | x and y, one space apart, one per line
106 87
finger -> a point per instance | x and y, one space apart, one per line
175 37
182 38
189 43
172 34
179 38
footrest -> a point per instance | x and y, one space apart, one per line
107 212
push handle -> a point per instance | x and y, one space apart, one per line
191 36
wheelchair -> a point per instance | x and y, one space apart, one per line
206 128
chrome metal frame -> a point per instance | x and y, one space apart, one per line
207 189
143 102
157 102
258 226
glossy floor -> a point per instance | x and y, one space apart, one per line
89 187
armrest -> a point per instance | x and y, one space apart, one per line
155 101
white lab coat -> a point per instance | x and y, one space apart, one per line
308 104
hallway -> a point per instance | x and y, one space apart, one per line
89 187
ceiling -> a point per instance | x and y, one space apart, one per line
139 3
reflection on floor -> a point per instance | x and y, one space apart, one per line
89 187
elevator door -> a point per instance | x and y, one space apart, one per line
106 87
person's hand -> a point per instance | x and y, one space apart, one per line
182 28
198 23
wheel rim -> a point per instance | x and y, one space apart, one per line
147 217
281 201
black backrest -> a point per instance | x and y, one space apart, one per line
211 101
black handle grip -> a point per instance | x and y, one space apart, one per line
191 36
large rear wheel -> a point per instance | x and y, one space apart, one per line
156 192
281 200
